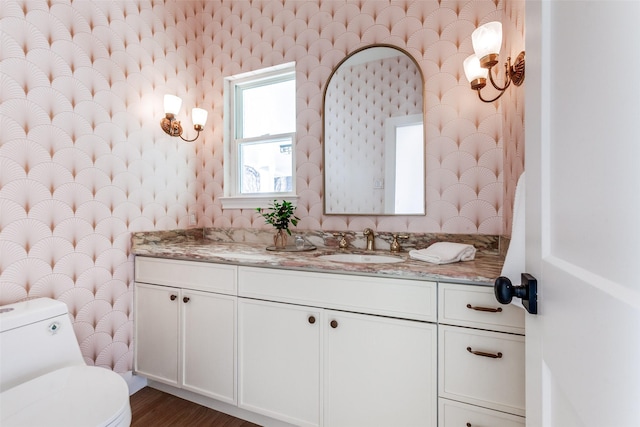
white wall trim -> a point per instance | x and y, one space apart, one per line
134 382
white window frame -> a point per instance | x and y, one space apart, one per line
233 198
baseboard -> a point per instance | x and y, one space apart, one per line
223 407
134 382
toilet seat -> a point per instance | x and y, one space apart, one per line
79 396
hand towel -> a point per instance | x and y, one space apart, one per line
444 253
514 263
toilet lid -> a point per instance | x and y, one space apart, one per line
73 396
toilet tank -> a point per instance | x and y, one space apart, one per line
36 337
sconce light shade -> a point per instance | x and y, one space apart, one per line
487 41
199 117
476 75
172 104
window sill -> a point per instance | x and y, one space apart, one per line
252 202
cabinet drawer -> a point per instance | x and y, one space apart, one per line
456 414
407 299
195 275
477 307
482 368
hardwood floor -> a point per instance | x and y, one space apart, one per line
154 408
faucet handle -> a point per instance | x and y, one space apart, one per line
342 243
395 245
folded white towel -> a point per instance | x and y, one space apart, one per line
444 253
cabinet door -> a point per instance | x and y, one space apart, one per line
379 371
209 344
279 360
157 333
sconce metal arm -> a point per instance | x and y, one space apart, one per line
172 127
489 100
196 137
507 77
513 74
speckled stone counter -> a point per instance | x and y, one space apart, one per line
193 245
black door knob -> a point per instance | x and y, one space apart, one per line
527 291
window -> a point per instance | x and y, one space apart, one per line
260 124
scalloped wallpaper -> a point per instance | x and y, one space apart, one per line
83 161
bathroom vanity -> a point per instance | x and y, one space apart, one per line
278 339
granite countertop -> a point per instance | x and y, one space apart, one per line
483 270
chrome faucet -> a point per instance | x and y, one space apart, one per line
370 238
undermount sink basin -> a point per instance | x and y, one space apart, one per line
245 257
362 258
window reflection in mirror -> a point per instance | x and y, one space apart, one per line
374 135
404 165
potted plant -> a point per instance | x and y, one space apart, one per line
280 215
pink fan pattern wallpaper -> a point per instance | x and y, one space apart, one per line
83 161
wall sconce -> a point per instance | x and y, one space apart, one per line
171 126
487 41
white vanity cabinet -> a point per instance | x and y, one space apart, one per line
481 358
185 325
329 349
306 361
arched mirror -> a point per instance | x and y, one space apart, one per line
374 138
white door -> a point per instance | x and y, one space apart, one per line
583 212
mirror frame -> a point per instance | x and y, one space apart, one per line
424 130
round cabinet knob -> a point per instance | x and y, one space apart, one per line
185 300
312 319
173 297
334 324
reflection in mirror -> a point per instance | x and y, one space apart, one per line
374 135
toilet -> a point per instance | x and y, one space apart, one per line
44 380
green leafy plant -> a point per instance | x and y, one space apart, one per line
279 215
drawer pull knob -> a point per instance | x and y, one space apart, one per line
334 324
185 299
489 309
173 297
482 353
312 319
